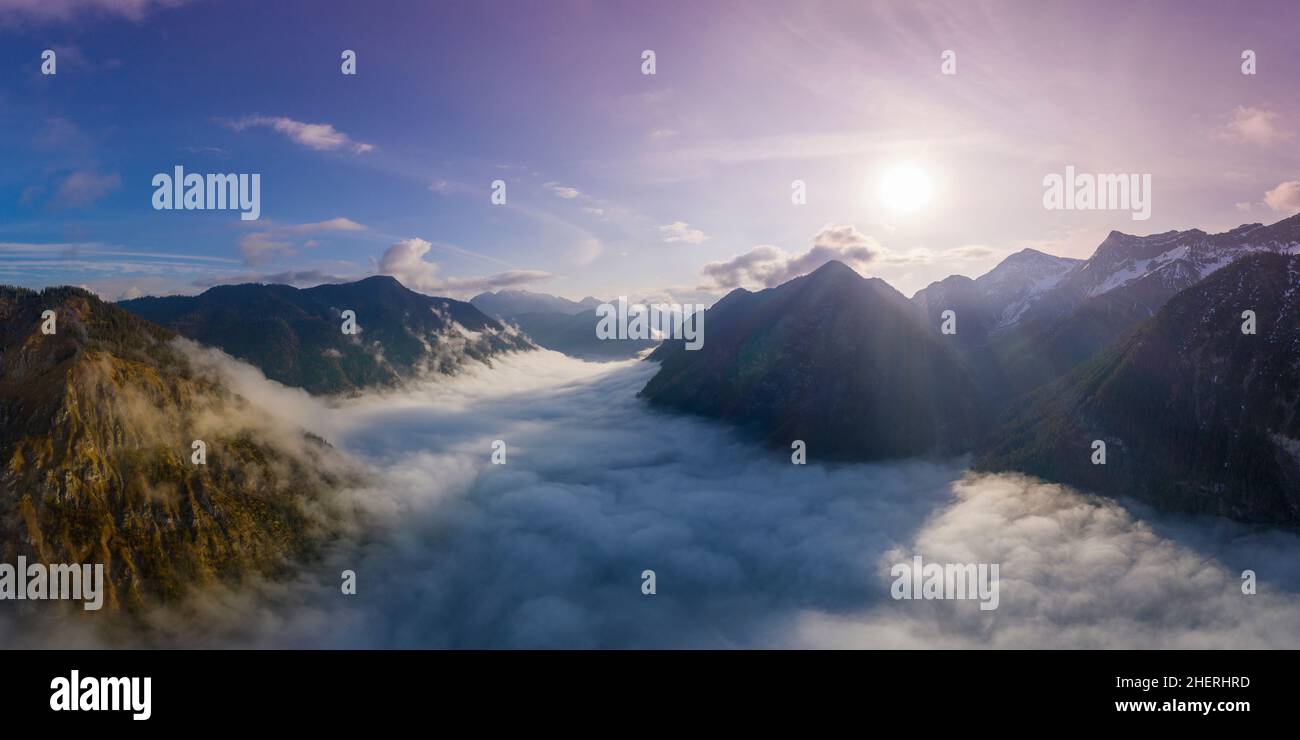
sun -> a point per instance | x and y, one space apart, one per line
906 188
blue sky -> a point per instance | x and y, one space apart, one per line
619 182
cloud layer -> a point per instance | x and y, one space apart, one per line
748 550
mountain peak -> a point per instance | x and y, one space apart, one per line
381 281
1031 257
835 268
1029 252
811 357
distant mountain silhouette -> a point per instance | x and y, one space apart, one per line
845 363
559 324
295 336
508 303
575 335
1196 415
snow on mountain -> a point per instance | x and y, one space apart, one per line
1017 282
1004 293
1033 284
1183 257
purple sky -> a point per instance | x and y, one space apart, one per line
618 182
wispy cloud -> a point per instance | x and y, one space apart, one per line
81 189
680 231
63 10
297 278
1256 126
405 260
281 240
562 191
263 247
334 224
319 136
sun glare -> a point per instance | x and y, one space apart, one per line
906 189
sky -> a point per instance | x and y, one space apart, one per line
674 185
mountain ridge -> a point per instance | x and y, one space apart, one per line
295 336
1197 415
97 422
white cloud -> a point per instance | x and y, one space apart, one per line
766 266
318 136
680 231
333 224
1285 197
1255 126
748 550
405 261
562 191
279 240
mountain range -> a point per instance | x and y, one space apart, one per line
296 336
1049 355
1139 347
1197 414
506 303
559 324
1034 317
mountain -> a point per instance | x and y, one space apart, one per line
559 324
987 307
96 426
997 299
1124 283
1176 259
1159 265
509 303
1027 322
575 336
845 363
1197 416
295 336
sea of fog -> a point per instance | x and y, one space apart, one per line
748 550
